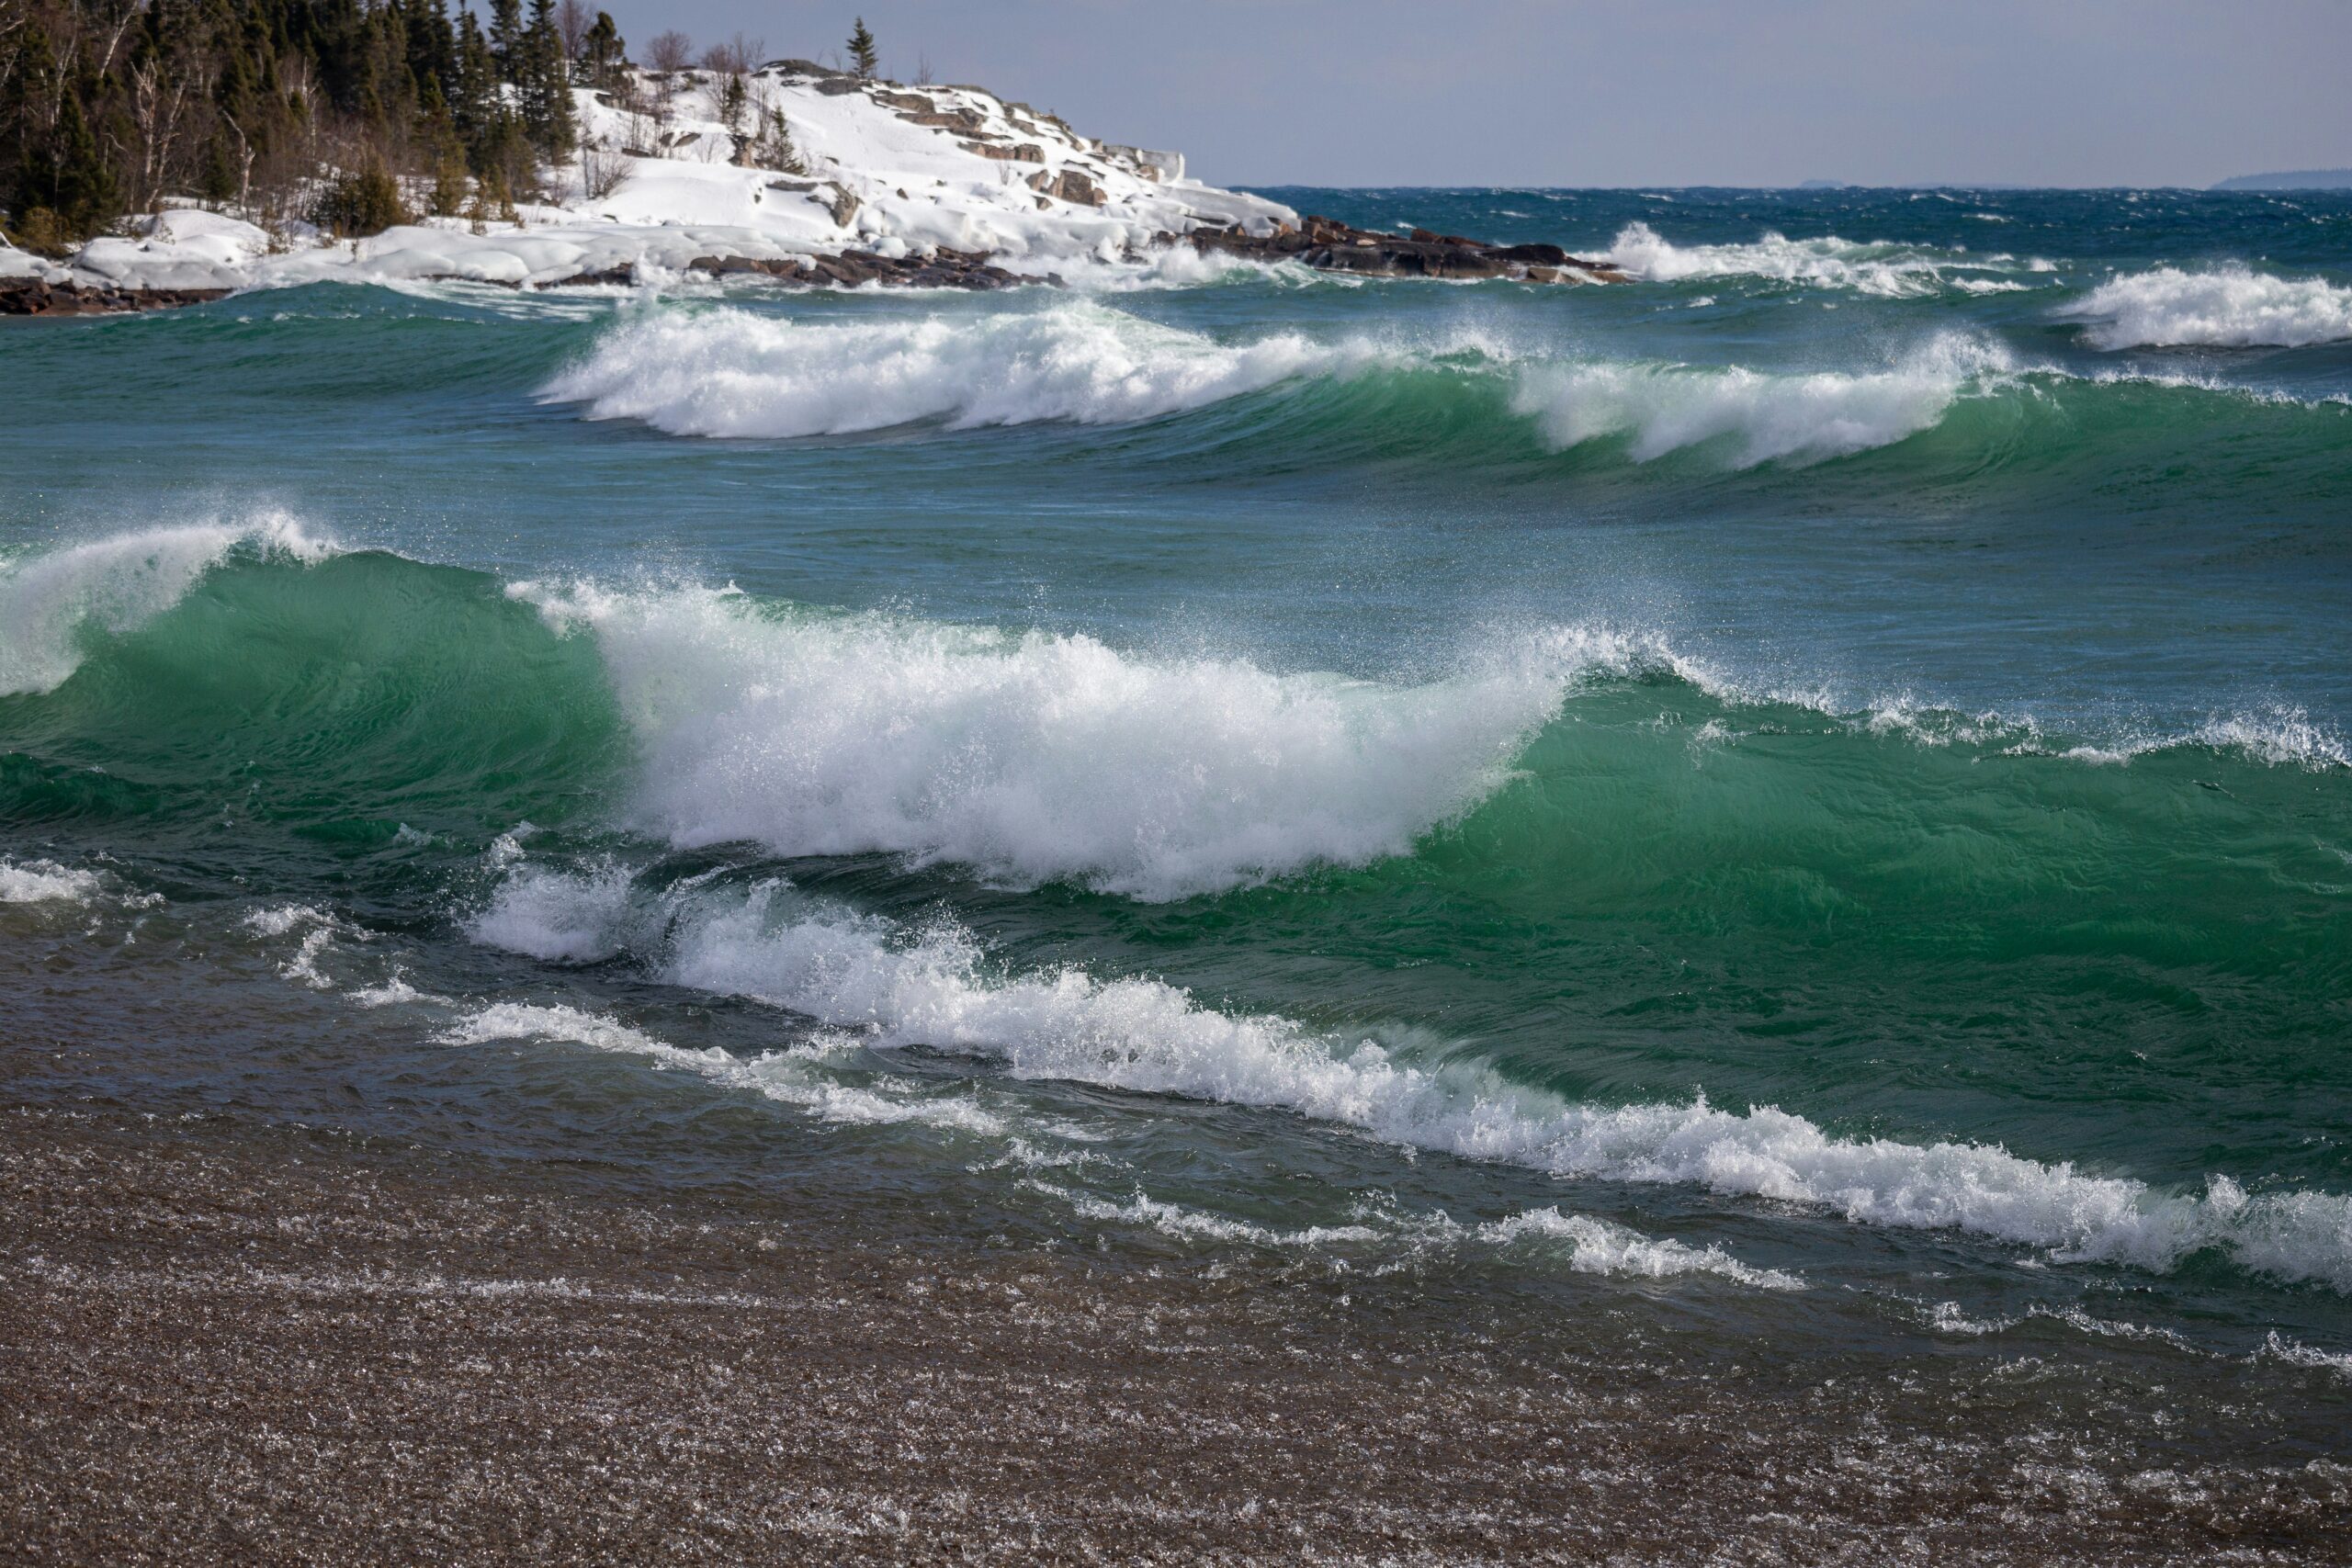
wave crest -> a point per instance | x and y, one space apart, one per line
935 987
2227 308
1888 270
1039 757
1765 417
736 372
117 585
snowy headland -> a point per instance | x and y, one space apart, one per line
913 184
794 172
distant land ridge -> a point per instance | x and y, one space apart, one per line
2291 179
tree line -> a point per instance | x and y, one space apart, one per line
346 113
108 105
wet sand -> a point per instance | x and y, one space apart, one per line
223 1342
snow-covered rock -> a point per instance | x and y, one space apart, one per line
892 169
16 265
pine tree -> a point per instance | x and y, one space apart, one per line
545 83
506 38
82 190
862 53
731 103
604 51
774 148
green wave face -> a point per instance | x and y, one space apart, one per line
1918 919
1097 704
1792 909
336 702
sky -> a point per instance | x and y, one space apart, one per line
1630 92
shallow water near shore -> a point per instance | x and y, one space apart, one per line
1797 808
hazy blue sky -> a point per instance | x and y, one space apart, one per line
1634 92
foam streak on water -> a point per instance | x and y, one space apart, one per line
935 987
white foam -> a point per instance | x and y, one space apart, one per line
117 583
1037 757
1762 416
1197 1224
779 1075
1867 268
2278 1346
732 373
2232 306
934 989
318 929
1600 1246
45 882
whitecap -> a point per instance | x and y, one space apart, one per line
935 987
2232 306
1867 268
45 882
736 372
1037 757
117 583
1762 417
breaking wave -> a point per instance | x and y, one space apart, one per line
935 987
1038 756
1867 268
735 373
2226 308
1762 417
50 602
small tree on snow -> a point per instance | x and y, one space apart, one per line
774 148
862 53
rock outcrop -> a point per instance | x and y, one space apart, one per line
34 297
940 269
1330 245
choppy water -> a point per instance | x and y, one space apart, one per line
1808 793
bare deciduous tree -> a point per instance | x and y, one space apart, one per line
669 52
572 21
738 56
603 169
665 57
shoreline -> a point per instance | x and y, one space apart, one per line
1321 244
232 1341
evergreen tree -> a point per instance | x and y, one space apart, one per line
547 86
774 150
862 53
82 189
731 103
506 38
602 52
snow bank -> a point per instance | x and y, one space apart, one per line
892 169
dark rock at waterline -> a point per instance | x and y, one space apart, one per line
1333 247
943 268
33 297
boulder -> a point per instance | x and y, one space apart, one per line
1068 185
1330 245
1025 153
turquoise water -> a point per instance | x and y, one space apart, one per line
1809 790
